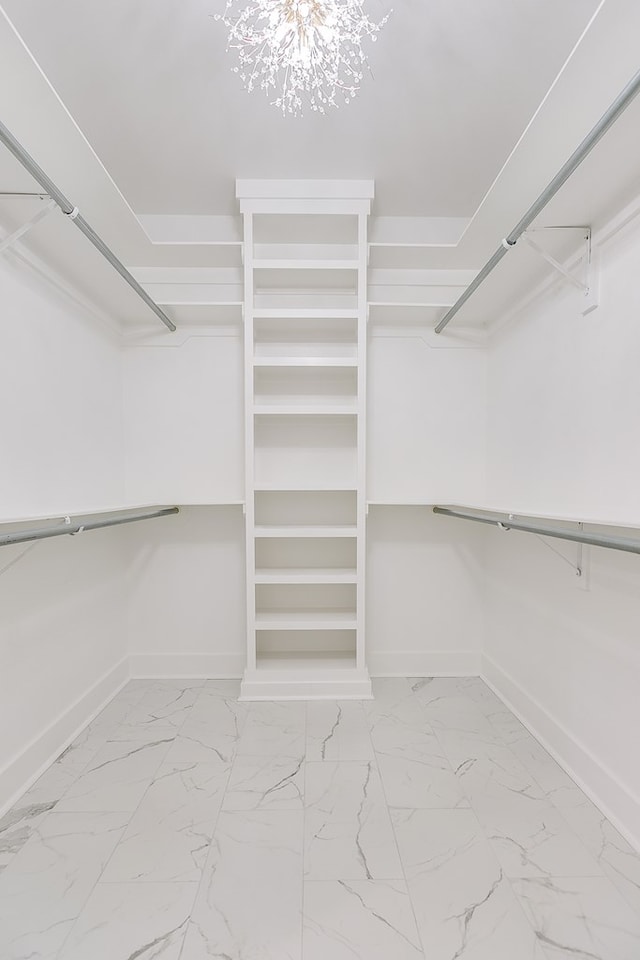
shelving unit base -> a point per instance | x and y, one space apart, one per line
282 680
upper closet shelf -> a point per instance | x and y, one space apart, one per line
298 361
305 313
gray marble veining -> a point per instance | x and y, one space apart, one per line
348 834
372 919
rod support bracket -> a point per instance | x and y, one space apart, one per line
588 284
72 214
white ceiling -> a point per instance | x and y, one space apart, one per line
454 84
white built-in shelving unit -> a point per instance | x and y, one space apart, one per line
305 319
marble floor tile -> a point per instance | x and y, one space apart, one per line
20 823
51 786
430 689
557 785
368 919
393 698
274 728
454 701
250 900
580 917
211 732
464 905
537 844
265 783
348 833
45 887
227 689
160 713
480 692
132 921
616 858
168 837
492 777
427 783
337 730
507 726
117 777
79 754
401 730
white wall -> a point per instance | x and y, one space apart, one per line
62 634
564 409
184 424
61 401
425 600
426 417
186 597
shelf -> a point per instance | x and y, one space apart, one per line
322 619
307 575
300 488
306 410
293 263
312 660
305 313
290 531
305 362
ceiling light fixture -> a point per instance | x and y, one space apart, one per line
306 52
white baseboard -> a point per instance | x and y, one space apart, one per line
592 775
213 666
24 769
427 663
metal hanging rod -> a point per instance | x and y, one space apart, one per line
618 106
76 526
73 213
505 522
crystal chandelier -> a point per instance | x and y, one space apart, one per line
302 52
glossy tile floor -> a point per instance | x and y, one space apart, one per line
425 825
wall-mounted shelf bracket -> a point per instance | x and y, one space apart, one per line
588 283
8 242
578 566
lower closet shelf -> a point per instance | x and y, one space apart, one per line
306 620
306 575
309 660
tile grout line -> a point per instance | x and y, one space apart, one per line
393 829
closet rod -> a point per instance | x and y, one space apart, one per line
504 522
45 533
72 212
604 123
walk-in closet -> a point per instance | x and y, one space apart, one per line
319 480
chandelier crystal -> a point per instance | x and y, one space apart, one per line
302 52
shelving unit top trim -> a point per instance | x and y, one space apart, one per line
65 526
529 523
312 207
305 189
